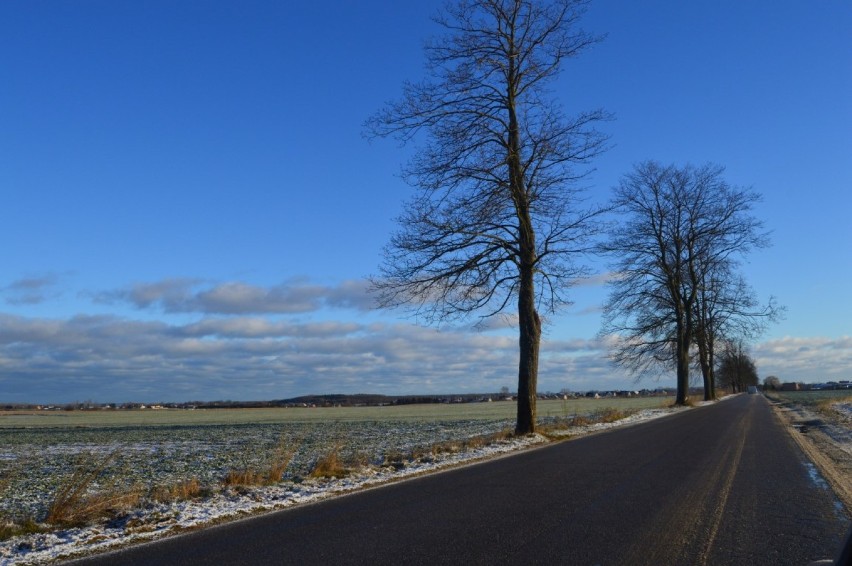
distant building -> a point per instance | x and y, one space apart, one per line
790 386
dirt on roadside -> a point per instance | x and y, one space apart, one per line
826 439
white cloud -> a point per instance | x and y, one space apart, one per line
245 346
110 358
31 290
169 294
810 359
238 298
254 327
597 280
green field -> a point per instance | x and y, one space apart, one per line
498 410
812 398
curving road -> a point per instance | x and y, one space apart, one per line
722 484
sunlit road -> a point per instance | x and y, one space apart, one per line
722 484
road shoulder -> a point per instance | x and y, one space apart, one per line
812 432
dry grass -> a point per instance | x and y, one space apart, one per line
607 415
269 474
829 405
427 453
330 465
80 498
10 528
181 491
81 510
334 464
95 491
612 415
247 477
489 439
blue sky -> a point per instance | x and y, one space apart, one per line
190 210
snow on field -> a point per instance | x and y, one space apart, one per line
164 519
841 431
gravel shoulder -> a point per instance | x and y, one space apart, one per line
825 436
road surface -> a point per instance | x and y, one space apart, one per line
721 484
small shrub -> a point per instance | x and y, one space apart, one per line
330 465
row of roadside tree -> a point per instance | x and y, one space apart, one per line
499 220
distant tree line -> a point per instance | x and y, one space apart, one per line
737 370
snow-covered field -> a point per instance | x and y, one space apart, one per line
174 458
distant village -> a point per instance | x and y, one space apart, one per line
829 386
339 400
370 400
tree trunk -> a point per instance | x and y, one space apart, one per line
705 360
682 376
711 365
528 319
682 353
705 374
530 338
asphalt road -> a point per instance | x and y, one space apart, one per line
722 484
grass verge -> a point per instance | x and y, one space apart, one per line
558 428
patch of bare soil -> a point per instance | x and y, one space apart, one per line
825 436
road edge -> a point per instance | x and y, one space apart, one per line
835 477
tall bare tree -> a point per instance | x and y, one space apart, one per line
497 216
680 226
727 309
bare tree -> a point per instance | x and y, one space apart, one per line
680 227
772 383
497 216
727 309
737 369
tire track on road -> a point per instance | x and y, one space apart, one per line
692 518
724 493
